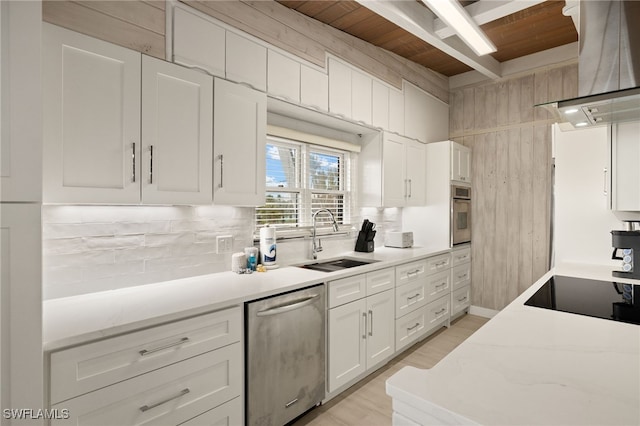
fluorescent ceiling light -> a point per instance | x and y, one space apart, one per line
454 15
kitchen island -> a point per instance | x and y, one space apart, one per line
530 365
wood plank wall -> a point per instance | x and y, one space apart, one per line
311 40
512 169
137 25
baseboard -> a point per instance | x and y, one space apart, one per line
482 312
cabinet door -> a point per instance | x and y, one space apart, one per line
380 327
283 77
177 131
415 112
361 97
339 88
347 343
246 61
380 105
416 163
625 154
198 42
396 111
314 88
394 184
239 138
91 119
460 163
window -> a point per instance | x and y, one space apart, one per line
300 179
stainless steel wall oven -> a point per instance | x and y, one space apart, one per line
460 214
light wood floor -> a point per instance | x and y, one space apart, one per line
367 403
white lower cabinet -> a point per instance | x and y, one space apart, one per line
228 414
361 332
168 374
460 280
460 300
409 328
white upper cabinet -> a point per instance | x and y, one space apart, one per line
392 172
339 88
177 121
396 111
314 88
625 173
91 119
246 61
121 130
361 96
380 105
198 42
283 77
460 163
425 117
239 143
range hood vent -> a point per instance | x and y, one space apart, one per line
609 66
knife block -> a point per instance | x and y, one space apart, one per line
363 244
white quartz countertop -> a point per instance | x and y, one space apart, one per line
530 366
79 319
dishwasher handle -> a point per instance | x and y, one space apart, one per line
296 304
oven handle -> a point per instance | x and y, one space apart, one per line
296 304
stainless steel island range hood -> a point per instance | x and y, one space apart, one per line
609 66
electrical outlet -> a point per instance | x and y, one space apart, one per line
224 243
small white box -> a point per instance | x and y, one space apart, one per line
399 239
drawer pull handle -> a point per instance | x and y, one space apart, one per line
441 311
463 299
290 403
462 276
413 297
413 273
167 346
441 285
439 264
183 392
412 327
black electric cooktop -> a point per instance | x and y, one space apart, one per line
601 299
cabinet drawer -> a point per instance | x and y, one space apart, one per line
460 299
95 365
438 263
229 413
410 297
461 275
460 256
438 285
347 290
169 395
377 281
410 272
409 328
438 312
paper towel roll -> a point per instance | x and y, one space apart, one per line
268 245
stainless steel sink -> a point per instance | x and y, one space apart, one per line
336 264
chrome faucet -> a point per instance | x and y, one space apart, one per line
317 248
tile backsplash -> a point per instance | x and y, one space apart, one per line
95 248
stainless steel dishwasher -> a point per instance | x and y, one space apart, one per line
285 361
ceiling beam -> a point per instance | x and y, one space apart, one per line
419 21
484 11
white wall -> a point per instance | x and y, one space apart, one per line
582 220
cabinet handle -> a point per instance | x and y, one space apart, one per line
439 264
463 299
133 157
221 158
605 181
364 318
441 311
157 404
412 297
462 276
290 403
371 322
151 164
410 188
413 273
441 285
412 327
161 348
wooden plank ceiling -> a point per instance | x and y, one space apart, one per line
531 30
